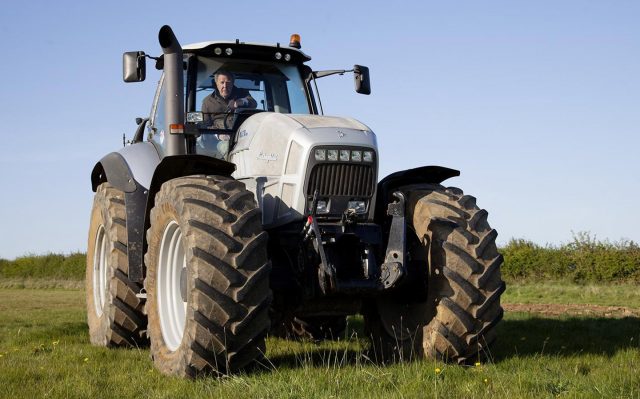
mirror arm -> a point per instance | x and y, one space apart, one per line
322 74
138 137
313 76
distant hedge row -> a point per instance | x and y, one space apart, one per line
51 266
583 260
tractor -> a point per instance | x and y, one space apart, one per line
205 238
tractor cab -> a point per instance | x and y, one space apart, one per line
273 87
276 77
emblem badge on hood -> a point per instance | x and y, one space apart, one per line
268 157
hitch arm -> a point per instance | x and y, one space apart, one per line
393 267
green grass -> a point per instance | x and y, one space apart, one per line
45 353
627 295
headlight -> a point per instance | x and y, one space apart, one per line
343 155
322 207
194 117
321 155
359 206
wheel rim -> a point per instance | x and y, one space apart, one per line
100 271
171 286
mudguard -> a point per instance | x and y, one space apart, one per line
421 175
130 170
139 174
126 169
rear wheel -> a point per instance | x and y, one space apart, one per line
455 319
207 277
114 313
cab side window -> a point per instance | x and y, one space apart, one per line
157 125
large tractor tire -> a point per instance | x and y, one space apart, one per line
451 313
207 282
114 313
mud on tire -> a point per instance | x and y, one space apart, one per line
223 289
455 319
114 314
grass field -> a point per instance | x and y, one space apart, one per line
566 293
44 352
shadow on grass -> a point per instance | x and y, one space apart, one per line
322 356
524 337
534 336
319 357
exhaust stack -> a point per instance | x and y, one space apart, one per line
174 89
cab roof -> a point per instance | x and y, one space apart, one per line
238 49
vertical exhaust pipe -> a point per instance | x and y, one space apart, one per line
173 89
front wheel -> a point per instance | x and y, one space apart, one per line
454 248
207 277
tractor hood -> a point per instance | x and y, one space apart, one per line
274 156
269 130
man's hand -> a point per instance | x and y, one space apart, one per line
238 103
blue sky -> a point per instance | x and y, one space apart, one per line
535 102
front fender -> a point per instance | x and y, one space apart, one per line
421 175
170 167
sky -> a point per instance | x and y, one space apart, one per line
536 103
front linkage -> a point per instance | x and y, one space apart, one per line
375 277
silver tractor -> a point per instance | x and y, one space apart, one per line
205 238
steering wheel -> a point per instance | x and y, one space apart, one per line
242 114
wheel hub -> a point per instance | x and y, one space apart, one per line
171 287
100 271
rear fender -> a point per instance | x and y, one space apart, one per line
130 167
140 189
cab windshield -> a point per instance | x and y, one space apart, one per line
274 87
257 87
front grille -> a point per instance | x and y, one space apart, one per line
354 180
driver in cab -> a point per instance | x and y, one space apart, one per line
224 100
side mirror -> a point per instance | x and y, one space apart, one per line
134 66
361 79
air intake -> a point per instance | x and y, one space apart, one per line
353 180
